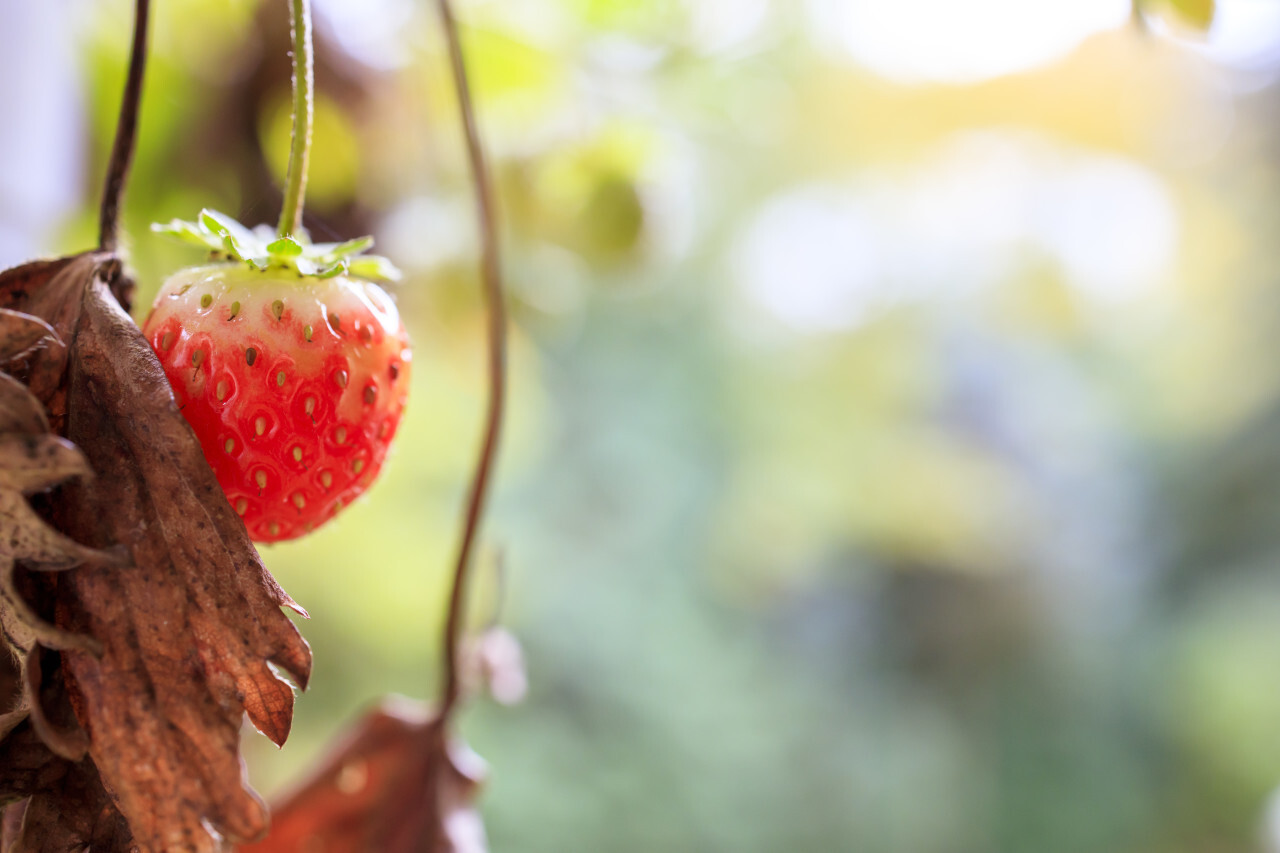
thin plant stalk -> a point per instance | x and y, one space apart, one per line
126 132
295 190
495 305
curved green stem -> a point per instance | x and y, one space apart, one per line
295 190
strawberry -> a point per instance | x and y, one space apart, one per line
292 371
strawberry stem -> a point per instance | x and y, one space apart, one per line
295 190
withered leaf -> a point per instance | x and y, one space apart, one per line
189 628
19 333
395 783
32 460
28 764
29 768
55 300
18 284
31 463
50 708
19 411
70 810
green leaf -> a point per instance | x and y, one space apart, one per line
223 225
232 247
375 267
261 249
187 232
334 269
333 251
285 247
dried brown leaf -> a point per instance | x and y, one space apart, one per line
19 333
18 284
31 463
50 708
19 411
56 300
70 810
191 629
32 460
23 625
395 783
28 764
188 629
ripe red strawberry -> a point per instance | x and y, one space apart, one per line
293 383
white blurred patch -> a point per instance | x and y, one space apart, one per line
1245 35
811 260
1109 222
721 25
423 232
41 172
378 33
822 258
1270 828
958 42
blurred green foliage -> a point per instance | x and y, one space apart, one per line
892 466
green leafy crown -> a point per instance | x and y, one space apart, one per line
262 249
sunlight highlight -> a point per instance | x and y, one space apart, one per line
914 41
980 211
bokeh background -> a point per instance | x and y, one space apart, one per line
894 452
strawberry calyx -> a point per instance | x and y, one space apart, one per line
262 249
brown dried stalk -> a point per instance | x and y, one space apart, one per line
491 272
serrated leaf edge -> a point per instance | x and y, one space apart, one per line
222 235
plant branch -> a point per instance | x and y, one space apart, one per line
491 275
126 132
295 191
